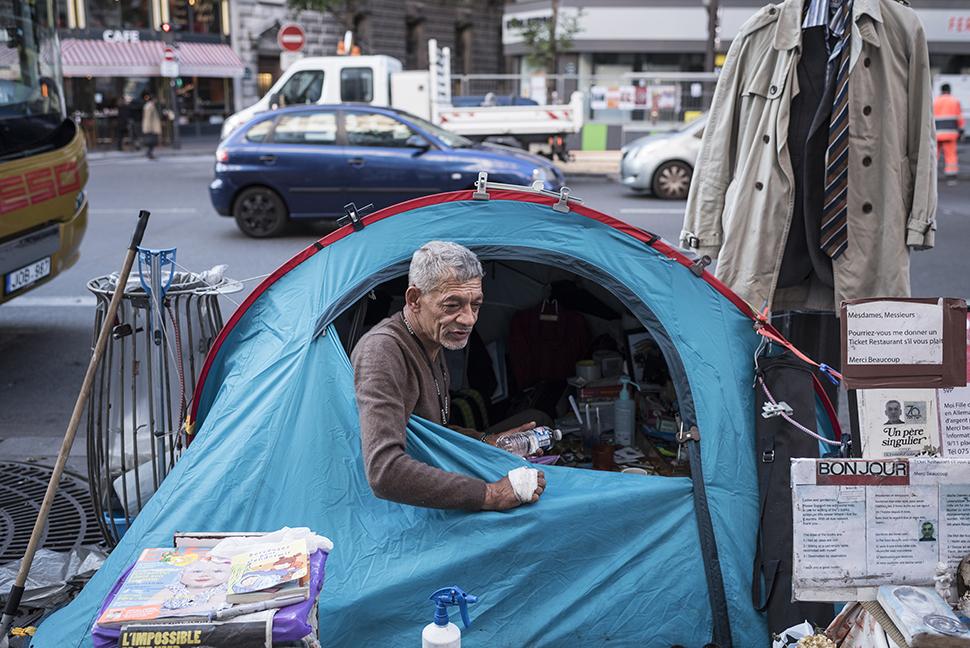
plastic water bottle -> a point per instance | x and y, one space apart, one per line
528 443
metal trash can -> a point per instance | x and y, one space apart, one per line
142 392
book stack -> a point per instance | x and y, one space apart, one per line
192 592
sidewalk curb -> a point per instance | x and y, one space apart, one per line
132 155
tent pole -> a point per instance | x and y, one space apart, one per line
712 563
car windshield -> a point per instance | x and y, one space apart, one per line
449 138
31 104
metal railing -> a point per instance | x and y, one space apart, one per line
632 99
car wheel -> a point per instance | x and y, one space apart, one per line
672 180
260 212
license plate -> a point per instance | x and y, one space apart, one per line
23 277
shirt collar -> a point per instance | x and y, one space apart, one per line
788 31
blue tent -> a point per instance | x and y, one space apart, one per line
645 561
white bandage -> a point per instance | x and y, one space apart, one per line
525 481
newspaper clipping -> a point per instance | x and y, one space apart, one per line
861 523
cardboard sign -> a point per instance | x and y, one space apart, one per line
904 343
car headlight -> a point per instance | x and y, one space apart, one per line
539 174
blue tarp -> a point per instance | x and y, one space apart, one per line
602 556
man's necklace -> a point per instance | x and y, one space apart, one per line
442 401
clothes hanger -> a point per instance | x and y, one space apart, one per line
552 316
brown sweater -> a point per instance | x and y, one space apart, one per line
393 380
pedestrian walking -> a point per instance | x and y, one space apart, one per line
948 115
151 125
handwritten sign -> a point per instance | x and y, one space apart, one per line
894 333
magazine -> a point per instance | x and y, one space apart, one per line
923 617
170 583
270 571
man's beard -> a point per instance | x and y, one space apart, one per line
454 346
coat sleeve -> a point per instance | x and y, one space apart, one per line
921 148
715 165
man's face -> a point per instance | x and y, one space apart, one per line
894 411
927 530
447 314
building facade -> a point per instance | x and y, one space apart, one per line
641 64
617 36
398 28
117 52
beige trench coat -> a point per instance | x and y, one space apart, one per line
740 205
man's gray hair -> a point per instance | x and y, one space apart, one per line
438 261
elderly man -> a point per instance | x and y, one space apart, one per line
399 370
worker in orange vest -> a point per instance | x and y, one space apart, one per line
949 129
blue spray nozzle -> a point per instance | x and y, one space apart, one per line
453 595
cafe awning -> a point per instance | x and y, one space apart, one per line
89 57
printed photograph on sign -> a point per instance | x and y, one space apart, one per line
927 531
898 422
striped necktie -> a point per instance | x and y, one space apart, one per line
834 231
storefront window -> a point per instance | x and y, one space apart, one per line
115 14
60 7
196 16
103 14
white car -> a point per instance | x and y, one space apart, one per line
663 163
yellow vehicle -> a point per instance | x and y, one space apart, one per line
43 170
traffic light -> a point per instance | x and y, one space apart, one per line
168 34
179 82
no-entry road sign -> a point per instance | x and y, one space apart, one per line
291 37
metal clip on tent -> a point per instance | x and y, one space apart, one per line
563 204
697 267
781 408
690 434
481 187
354 215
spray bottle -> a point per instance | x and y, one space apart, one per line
441 633
624 414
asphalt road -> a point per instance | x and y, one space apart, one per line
46 336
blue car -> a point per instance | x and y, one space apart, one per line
307 162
